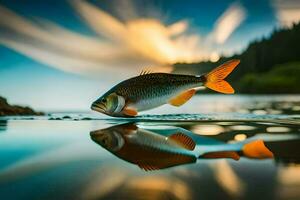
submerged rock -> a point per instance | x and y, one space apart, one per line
66 117
7 109
86 118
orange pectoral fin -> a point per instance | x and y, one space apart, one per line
129 127
182 98
183 140
129 111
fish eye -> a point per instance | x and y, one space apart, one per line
104 141
104 100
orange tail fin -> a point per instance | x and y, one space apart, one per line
215 78
257 149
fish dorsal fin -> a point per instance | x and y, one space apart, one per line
222 154
145 71
182 97
130 111
183 140
257 149
147 167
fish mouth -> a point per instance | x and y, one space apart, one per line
98 108
95 133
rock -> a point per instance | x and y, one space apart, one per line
86 118
55 118
66 117
7 109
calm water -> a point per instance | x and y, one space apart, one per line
239 147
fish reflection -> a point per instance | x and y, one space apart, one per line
145 148
154 149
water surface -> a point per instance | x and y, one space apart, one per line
62 155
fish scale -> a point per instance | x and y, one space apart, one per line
155 85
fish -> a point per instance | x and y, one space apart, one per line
148 150
151 90
151 150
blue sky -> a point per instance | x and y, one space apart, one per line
29 78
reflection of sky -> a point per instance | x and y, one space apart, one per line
69 159
33 82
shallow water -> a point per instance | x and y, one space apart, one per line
90 156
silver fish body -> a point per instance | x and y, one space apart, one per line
149 91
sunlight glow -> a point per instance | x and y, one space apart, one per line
228 179
240 137
214 57
208 129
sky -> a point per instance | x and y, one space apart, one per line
61 55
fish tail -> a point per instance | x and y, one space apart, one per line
257 149
214 80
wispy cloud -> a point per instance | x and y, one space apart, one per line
287 12
228 22
146 37
133 43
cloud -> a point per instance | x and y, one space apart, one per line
228 22
287 12
130 45
55 46
146 37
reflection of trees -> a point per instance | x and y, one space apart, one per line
278 107
3 125
285 151
229 132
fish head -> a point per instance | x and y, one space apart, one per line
108 139
113 138
110 104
